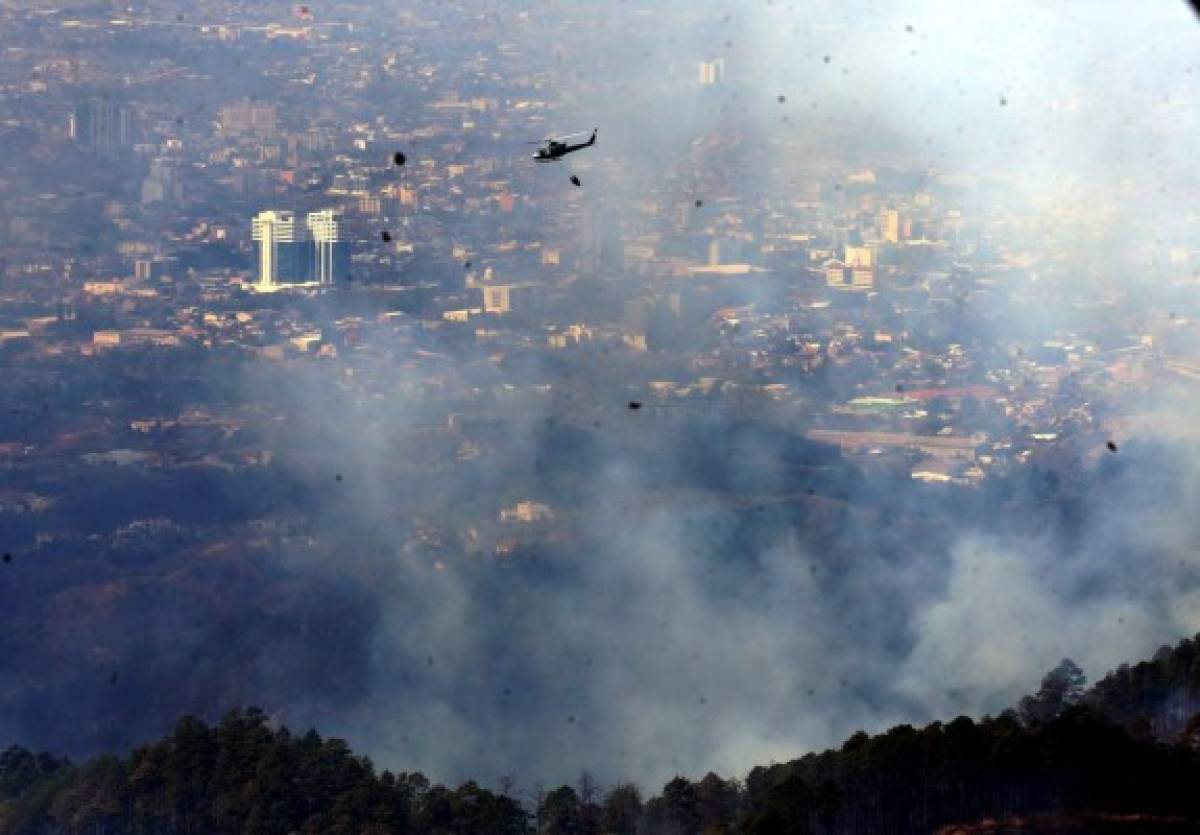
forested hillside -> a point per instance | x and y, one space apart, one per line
1066 760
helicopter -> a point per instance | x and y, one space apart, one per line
554 149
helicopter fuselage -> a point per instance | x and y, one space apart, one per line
555 151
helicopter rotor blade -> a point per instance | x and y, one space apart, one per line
559 138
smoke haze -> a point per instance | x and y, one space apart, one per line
723 592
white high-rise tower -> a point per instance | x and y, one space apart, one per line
332 264
712 72
281 252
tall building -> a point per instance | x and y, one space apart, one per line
835 273
860 267
843 275
102 127
712 72
890 227
331 254
862 278
282 250
860 257
291 253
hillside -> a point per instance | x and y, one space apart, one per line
1060 765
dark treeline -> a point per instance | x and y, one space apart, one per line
1063 749
1157 698
240 776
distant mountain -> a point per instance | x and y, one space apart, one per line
1068 761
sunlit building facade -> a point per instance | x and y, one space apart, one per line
282 250
331 254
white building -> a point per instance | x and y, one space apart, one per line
712 72
291 254
527 511
281 249
331 263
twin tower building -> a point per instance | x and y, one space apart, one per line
291 254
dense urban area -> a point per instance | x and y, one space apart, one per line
877 310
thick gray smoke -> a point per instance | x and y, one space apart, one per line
687 633
679 633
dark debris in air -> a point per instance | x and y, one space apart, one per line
387 236
1003 101
337 477
826 59
8 557
398 158
467 265
575 181
781 99
699 203
112 680
908 28
1112 447
429 661
634 405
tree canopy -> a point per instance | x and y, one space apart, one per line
1063 749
